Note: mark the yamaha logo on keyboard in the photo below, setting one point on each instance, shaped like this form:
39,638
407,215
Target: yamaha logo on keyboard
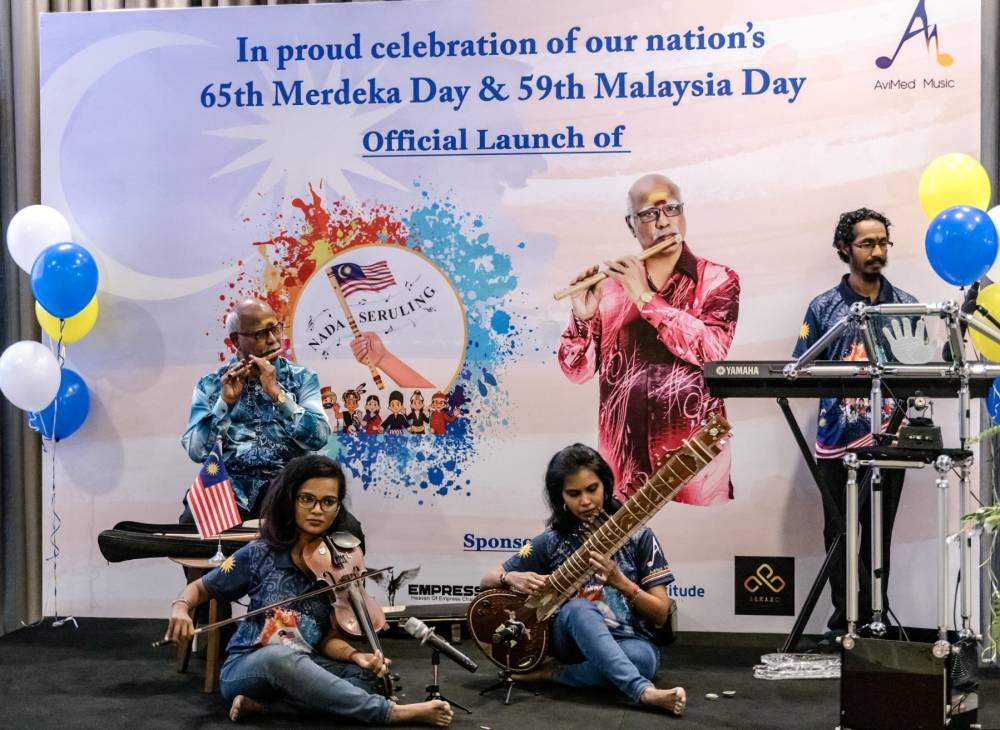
737,370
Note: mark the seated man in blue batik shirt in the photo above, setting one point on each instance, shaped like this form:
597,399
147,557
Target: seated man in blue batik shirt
265,409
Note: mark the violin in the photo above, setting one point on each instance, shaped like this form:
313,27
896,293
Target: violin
337,561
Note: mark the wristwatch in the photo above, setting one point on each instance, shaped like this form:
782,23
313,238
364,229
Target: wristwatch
645,298
281,398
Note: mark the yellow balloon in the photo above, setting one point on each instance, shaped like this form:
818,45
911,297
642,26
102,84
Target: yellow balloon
953,179
989,298
75,327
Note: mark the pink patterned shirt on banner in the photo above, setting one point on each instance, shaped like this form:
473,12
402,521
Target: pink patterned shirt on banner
650,361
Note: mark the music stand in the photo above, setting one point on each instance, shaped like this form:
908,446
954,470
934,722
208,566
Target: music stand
434,689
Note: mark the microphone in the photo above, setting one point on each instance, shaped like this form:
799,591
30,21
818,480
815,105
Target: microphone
419,630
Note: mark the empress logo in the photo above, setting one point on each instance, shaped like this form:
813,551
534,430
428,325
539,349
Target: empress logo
918,26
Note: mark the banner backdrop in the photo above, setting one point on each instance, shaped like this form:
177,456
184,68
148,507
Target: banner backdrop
453,164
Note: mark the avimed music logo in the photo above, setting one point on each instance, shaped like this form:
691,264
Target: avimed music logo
918,26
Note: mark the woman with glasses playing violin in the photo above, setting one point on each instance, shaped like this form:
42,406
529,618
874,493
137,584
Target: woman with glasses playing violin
264,409
294,653
603,637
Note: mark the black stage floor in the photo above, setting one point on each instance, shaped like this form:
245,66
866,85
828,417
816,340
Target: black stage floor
106,674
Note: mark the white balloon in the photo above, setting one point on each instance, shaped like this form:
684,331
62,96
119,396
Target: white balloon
29,375
32,230
994,272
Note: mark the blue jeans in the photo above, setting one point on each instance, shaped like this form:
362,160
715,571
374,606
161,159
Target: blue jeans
309,680
579,633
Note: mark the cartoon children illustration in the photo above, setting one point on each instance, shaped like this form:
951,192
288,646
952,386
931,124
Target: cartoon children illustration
329,398
440,416
396,423
351,412
417,417
372,418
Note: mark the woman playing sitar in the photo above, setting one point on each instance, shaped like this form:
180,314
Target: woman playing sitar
603,636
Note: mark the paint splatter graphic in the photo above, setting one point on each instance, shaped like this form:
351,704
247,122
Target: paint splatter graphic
457,242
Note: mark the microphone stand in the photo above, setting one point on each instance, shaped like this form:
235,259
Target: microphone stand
505,677
434,690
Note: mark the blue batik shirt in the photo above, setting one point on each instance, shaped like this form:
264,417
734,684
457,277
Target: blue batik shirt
640,559
268,576
844,423
258,436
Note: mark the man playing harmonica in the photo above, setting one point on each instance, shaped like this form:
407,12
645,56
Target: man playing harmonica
648,330
265,409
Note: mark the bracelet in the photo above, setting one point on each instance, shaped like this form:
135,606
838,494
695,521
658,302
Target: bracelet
633,593
185,601
503,580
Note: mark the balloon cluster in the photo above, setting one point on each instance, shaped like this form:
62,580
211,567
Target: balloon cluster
64,282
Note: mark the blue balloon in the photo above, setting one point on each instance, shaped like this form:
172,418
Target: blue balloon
993,401
961,244
73,401
64,279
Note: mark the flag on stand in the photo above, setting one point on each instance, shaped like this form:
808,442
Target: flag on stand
355,277
211,497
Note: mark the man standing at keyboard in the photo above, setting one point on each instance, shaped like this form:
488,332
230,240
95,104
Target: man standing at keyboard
861,240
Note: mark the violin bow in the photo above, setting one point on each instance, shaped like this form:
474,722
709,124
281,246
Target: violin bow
262,609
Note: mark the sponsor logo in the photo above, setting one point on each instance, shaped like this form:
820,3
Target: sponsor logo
471,542
692,591
435,591
765,586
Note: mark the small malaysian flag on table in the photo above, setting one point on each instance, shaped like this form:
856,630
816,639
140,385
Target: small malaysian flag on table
211,497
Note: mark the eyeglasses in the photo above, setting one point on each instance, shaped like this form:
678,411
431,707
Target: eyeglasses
869,244
652,215
276,329
308,501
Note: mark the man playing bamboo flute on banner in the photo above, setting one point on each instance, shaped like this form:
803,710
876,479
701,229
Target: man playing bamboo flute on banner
265,409
647,331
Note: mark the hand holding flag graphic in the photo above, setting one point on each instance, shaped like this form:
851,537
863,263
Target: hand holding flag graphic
347,278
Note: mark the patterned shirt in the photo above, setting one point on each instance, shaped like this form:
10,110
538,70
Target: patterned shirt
650,362
258,436
641,560
267,576
844,423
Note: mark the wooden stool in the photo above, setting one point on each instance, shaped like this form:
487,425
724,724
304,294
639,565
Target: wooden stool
199,567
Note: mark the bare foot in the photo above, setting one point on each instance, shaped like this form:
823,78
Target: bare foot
671,700
244,707
541,673
436,713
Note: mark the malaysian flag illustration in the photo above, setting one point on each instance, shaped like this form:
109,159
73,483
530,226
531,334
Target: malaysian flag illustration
356,277
211,497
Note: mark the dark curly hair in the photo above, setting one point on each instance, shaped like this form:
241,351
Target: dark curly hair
844,233
277,512
565,464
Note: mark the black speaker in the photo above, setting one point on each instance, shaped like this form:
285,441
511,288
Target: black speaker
901,684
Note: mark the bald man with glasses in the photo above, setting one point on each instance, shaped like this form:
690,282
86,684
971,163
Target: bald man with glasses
861,240
646,331
265,409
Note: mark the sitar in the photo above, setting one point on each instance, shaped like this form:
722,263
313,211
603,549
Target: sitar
513,629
